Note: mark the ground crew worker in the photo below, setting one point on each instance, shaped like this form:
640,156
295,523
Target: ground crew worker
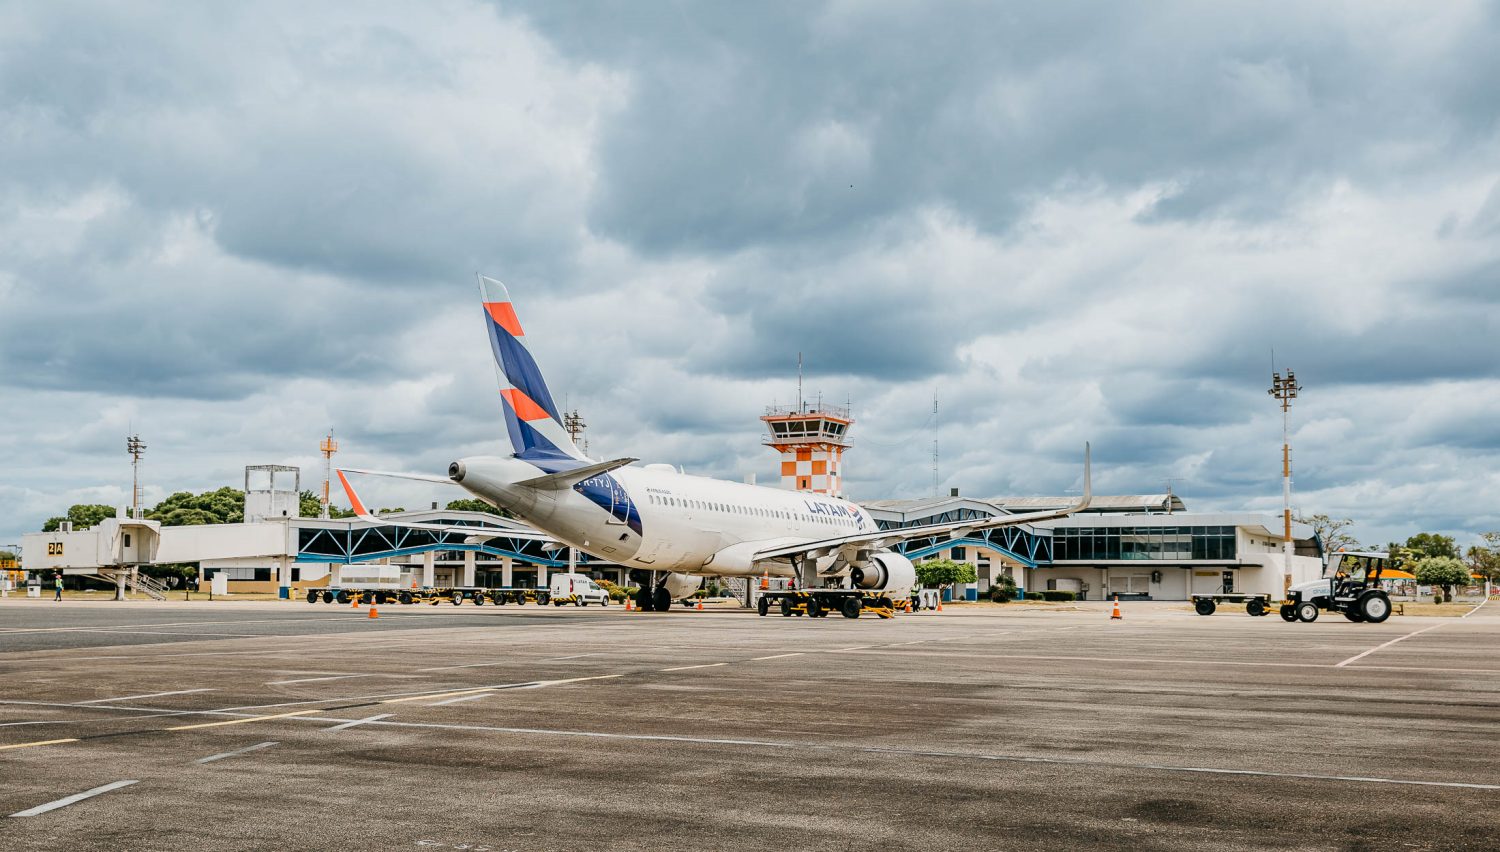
57,584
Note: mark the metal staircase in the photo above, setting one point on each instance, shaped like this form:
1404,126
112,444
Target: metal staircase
139,583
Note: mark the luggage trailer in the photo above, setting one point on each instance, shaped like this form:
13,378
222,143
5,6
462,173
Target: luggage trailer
817,603
434,596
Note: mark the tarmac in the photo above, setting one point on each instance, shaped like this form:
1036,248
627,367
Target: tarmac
282,725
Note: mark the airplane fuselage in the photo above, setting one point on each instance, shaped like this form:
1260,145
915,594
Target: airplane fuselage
658,519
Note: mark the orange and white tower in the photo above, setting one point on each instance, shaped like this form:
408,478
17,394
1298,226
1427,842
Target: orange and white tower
811,440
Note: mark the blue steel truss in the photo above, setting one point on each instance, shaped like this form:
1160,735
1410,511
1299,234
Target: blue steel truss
1019,543
364,544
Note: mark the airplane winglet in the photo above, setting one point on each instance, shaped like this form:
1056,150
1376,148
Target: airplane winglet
354,502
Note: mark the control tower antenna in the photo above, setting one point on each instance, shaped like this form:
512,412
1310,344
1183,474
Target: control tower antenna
799,382
1285,389
327,447
136,448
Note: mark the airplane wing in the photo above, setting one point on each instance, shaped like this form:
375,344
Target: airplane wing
500,527
881,539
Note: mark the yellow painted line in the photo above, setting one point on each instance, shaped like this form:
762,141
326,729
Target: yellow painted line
244,721
685,668
437,695
38,743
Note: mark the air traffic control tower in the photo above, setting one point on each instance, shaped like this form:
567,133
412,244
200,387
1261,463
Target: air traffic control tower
811,440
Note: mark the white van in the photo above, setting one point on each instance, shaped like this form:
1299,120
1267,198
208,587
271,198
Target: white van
578,590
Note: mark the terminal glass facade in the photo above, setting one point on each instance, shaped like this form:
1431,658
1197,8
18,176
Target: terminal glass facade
1147,543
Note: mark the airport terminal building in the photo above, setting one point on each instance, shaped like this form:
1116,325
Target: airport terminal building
1142,547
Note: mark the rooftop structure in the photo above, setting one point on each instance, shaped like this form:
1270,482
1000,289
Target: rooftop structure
811,439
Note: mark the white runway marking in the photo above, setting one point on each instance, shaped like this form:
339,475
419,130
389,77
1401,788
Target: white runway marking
476,697
236,753
73,799
775,657
315,679
574,657
685,668
145,695
357,722
1475,609
959,755
1386,645
465,666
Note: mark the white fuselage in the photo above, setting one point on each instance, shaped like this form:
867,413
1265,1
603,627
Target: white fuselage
658,519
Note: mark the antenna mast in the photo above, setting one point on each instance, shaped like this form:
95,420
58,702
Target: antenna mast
573,422
936,481
328,447
1285,390
136,449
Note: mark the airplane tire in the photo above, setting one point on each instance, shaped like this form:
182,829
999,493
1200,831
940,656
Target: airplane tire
762,607
1307,612
662,598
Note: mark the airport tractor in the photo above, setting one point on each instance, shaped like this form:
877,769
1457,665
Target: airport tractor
1350,585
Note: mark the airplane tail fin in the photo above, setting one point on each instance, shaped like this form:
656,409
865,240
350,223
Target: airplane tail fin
532,418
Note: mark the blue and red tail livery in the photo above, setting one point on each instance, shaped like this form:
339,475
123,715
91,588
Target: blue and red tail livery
531,416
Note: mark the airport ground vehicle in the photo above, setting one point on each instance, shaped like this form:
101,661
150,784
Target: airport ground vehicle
1350,585
1206,604
816,603
577,589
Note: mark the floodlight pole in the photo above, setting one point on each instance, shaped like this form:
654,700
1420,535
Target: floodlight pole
1285,389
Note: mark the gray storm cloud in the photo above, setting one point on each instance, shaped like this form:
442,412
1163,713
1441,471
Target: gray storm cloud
231,229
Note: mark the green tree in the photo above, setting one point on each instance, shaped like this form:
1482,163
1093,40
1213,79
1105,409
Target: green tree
310,505
1333,532
184,508
83,516
936,573
1003,589
1484,559
1443,571
472,505
1432,544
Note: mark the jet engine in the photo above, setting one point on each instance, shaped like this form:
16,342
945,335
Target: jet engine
891,573
680,586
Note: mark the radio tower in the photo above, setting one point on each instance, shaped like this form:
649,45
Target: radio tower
136,449
573,422
1285,390
328,447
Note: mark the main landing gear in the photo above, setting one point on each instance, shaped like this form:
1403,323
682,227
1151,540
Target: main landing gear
653,596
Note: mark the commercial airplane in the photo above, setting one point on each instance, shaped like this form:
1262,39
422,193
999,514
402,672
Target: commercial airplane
671,528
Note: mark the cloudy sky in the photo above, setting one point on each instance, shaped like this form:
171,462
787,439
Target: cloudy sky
231,227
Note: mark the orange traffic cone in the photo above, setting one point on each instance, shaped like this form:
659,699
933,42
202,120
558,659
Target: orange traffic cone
765,581
1116,614
940,603
629,603
700,603
373,614
354,602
